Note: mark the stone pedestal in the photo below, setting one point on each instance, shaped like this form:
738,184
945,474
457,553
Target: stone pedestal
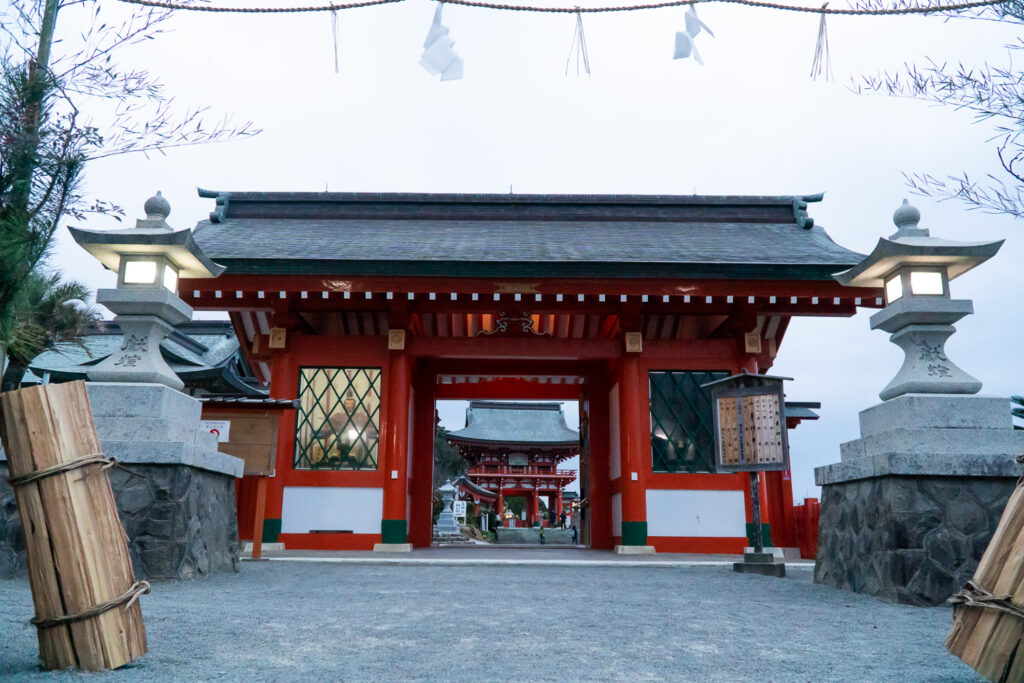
760,563
175,492
908,511
145,317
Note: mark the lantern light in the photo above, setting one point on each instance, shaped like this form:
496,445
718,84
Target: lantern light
893,289
170,277
139,272
925,282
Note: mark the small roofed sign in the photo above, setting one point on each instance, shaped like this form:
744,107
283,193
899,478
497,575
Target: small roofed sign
459,508
253,439
220,428
749,423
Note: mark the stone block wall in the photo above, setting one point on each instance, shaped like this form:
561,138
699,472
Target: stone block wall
181,521
12,540
908,539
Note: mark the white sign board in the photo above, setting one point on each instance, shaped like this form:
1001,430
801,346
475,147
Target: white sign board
222,428
459,508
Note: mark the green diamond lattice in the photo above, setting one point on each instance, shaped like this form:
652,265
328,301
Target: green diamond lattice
349,440
682,424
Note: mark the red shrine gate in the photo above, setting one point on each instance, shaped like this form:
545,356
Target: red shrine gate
514,449
369,308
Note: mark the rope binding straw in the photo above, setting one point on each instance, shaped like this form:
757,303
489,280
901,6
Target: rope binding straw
973,595
127,598
60,468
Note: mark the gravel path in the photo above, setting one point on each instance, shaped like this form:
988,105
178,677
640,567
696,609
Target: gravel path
291,621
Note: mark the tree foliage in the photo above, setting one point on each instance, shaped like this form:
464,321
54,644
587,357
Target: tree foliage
993,94
47,312
448,462
61,108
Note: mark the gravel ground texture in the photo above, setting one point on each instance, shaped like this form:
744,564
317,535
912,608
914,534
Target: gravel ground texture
287,621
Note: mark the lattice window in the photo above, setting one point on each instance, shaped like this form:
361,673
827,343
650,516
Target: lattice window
682,424
337,427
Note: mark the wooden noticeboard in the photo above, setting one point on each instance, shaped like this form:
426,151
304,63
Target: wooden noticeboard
252,437
750,432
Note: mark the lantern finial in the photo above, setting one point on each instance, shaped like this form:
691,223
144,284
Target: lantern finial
157,208
906,218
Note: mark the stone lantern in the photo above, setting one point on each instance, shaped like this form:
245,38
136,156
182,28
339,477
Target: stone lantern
911,506
915,269
446,522
142,417
148,259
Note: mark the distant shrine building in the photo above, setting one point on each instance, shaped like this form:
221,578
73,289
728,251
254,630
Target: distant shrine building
514,449
369,308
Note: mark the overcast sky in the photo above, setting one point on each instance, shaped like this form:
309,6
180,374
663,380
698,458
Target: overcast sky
749,122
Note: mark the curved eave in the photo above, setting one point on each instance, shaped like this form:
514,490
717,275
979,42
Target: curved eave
532,269
514,444
956,257
179,246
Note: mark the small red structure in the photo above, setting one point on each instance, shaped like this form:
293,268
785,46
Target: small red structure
807,518
514,450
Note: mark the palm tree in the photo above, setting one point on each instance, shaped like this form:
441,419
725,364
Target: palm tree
47,312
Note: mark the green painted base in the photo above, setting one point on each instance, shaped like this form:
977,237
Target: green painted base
766,534
392,531
271,530
634,533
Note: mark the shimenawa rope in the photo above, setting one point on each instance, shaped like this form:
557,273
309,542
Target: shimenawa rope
586,10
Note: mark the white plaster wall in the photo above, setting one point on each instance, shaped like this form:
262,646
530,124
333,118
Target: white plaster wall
696,513
614,442
617,514
308,508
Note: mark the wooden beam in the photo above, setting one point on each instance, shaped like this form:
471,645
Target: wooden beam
257,526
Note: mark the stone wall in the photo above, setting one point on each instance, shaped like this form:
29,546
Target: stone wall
909,539
12,540
181,521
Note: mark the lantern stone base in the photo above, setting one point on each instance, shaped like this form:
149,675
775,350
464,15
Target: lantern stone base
908,512
762,563
392,547
175,492
635,550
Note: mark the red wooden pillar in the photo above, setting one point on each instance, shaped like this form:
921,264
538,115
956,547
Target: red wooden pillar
599,512
257,527
558,507
501,504
284,383
534,513
393,527
634,420
422,475
780,505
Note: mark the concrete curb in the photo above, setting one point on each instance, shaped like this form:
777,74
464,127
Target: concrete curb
463,562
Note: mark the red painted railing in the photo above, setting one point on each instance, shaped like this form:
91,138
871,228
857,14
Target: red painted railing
806,517
531,470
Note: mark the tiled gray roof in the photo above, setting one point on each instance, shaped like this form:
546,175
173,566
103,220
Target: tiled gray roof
498,422
510,235
210,359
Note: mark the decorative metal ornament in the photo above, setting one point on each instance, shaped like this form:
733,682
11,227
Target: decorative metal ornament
438,56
